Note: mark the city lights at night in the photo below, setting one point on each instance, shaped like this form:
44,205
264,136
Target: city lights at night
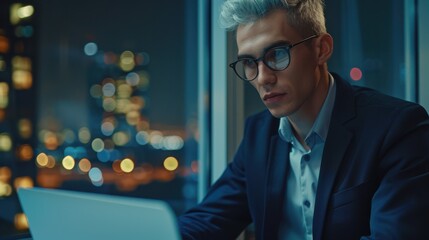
78,112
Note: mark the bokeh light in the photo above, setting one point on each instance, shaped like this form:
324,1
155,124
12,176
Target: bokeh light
172,143
107,128
24,31
25,152
22,79
109,104
116,166
133,118
171,163
19,12
121,138
84,135
25,128
50,139
23,182
97,145
5,174
90,49
96,176
95,91
123,105
21,221
126,61
142,137
144,80
124,91
127,165
132,79
356,74
155,139
68,162
5,189
84,165
5,142
4,95
108,90
4,46
42,160
51,162
25,11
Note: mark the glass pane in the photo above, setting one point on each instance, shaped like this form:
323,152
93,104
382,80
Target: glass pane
369,47
115,90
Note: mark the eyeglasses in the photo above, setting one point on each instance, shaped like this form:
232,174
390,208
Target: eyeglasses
276,59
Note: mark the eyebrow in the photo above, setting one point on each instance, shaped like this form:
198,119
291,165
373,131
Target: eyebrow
272,45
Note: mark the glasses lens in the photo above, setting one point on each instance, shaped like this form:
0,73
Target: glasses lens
277,58
246,68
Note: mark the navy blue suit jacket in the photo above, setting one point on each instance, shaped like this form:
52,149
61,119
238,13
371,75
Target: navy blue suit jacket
373,182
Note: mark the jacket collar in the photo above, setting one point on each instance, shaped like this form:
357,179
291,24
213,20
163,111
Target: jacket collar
336,144
337,140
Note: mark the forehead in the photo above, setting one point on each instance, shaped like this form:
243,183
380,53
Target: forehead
253,37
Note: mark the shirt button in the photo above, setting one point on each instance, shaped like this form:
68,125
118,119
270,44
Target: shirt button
306,157
307,203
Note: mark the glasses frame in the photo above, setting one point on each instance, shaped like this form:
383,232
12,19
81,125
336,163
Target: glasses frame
288,47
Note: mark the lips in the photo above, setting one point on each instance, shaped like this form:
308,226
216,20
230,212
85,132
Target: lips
273,97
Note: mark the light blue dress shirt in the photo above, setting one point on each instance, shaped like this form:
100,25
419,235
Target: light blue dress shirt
303,174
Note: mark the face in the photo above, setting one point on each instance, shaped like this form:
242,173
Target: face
295,90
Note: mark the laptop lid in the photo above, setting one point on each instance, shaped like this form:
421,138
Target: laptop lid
60,214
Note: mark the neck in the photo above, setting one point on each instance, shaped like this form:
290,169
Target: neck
303,120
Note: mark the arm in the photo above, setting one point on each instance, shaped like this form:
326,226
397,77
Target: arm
223,213
400,205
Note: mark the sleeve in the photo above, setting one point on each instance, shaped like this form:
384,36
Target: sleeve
223,213
400,205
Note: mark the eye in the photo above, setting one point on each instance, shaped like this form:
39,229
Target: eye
248,63
276,54
277,58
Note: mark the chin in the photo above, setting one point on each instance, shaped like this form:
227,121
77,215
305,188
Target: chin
277,114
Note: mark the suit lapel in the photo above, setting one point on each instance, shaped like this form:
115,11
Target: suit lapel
336,145
334,151
275,186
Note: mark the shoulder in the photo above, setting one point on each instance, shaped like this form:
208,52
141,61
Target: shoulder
380,105
367,102
370,114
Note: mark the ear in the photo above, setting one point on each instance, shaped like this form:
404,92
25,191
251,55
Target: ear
325,46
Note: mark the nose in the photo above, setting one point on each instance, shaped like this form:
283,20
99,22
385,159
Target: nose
266,76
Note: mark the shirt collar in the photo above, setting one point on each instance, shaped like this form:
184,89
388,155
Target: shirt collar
320,125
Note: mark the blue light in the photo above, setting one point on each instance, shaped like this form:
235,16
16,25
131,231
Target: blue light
90,49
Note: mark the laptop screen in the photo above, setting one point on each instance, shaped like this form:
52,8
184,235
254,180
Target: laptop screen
61,214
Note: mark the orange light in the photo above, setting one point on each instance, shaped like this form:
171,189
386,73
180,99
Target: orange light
84,165
42,160
23,182
25,152
21,222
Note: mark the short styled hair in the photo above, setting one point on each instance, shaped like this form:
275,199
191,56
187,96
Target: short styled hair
306,16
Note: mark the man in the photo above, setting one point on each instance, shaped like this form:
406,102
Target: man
327,160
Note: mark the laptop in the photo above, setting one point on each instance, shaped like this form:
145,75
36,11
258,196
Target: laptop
61,214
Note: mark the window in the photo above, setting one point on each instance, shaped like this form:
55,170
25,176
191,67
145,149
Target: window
113,104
